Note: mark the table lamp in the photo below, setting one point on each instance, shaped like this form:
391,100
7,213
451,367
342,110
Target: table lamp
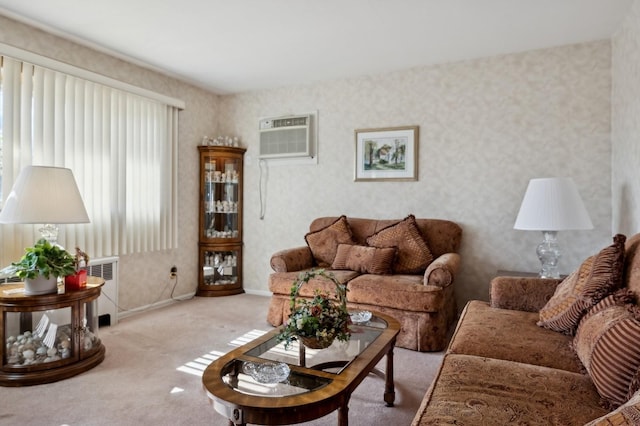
44,195
551,205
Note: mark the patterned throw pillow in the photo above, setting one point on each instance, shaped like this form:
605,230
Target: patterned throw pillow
413,253
626,415
606,343
368,260
597,277
324,242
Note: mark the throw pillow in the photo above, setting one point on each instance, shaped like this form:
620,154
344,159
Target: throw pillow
598,276
413,253
606,343
626,415
367,260
324,242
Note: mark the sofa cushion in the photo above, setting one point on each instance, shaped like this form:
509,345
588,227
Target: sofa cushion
472,390
598,276
369,260
324,242
406,292
512,336
607,344
627,414
413,253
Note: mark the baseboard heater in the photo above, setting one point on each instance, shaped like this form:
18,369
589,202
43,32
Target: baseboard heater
107,269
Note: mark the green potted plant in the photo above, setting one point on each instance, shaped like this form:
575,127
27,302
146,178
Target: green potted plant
41,266
317,322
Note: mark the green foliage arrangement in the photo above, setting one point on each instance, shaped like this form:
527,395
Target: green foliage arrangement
44,259
317,322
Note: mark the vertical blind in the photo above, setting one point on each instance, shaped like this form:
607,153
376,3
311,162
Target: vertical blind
121,147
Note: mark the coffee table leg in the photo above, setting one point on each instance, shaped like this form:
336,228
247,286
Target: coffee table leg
343,414
389,386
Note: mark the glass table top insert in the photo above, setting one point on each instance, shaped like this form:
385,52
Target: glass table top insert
329,361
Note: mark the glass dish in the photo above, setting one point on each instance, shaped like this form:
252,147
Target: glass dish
266,372
360,317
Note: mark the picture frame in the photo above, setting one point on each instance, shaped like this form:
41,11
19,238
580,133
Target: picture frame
387,154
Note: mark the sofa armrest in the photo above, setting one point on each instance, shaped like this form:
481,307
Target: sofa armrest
442,271
291,260
522,293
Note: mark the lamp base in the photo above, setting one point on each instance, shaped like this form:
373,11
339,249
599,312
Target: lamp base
549,253
49,232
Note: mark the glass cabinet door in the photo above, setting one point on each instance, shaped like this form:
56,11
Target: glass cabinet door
220,267
36,339
89,340
221,197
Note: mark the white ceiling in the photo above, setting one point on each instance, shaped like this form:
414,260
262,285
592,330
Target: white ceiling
230,46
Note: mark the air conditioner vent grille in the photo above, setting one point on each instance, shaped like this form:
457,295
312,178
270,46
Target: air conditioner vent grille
286,137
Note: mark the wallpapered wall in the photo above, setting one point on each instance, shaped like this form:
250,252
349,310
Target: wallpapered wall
626,124
486,127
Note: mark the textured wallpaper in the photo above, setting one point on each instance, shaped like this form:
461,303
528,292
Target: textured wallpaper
626,124
487,126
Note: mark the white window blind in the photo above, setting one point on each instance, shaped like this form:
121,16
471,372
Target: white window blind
121,147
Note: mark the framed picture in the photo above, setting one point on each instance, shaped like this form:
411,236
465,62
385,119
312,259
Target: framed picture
388,154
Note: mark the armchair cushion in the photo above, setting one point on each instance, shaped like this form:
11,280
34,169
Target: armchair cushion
324,242
598,276
413,253
368,260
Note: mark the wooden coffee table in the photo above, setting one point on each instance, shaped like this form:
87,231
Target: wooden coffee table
320,381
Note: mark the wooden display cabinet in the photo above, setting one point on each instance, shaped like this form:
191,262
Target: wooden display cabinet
220,223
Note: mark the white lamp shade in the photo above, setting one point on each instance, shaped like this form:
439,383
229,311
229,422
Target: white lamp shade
552,204
47,195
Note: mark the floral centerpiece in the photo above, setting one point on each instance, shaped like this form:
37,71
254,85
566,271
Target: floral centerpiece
319,321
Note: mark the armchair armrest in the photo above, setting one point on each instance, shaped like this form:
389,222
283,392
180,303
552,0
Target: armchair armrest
442,271
522,293
293,259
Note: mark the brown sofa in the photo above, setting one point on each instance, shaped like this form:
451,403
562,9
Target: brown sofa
502,367
423,301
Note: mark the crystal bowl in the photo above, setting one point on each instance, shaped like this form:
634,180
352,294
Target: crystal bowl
266,372
360,317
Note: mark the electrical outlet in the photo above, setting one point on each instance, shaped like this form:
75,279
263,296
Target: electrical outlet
173,273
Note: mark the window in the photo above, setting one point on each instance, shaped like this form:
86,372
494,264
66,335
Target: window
121,147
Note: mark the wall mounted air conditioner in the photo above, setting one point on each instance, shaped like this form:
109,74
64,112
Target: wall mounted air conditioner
287,137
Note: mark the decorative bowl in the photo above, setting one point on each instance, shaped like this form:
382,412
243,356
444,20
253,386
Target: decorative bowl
266,372
360,317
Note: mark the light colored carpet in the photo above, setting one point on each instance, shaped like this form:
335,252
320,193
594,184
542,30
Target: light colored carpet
149,375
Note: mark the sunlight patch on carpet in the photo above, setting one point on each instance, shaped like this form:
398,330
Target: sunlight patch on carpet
198,365
247,337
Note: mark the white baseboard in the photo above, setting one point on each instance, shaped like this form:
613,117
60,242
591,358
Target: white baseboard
264,293
156,305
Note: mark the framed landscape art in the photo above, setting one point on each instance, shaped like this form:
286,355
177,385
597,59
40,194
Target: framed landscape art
387,154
